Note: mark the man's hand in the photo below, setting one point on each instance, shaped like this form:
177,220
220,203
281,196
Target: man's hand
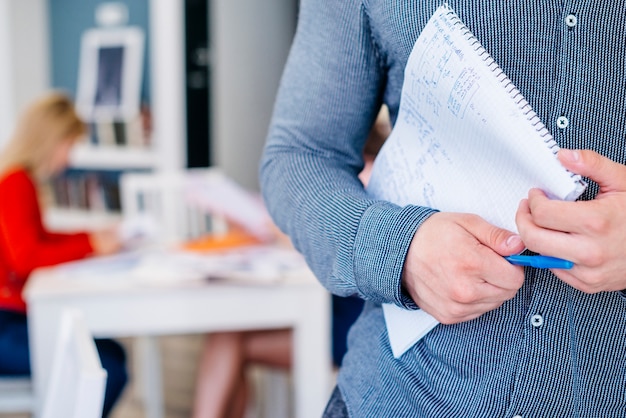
592,234
454,269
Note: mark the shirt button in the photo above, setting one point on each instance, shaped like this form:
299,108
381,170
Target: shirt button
536,321
570,20
517,416
562,122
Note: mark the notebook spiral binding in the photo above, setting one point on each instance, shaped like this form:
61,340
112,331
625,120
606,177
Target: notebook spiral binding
513,91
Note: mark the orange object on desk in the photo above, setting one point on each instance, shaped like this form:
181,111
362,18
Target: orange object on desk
214,242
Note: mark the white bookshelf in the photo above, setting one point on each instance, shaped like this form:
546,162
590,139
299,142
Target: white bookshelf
68,220
103,157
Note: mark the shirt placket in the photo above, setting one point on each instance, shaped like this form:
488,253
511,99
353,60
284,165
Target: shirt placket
566,115
544,353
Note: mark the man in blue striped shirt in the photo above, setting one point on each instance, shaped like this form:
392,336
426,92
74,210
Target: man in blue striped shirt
515,342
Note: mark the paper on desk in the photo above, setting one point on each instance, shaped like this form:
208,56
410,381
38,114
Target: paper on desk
155,266
465,140
261,264
107,267
254,264
222,196
139,231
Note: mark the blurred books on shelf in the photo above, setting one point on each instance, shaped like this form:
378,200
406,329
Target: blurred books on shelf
89,190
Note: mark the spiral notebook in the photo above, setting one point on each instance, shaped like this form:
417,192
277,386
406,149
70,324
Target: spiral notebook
465,140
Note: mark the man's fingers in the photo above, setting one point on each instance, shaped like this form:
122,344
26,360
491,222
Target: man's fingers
493,243
497,239
455,312
545,238
611,176
558,215
462,309
488,263
455,268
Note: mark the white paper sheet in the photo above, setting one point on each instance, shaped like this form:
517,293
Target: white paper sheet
222,196
250,264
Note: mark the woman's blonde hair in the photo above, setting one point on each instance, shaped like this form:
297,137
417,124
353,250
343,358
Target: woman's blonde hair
44,125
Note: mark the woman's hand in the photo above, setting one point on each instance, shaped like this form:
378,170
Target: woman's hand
106,241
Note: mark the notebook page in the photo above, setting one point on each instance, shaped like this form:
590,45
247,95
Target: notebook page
465,139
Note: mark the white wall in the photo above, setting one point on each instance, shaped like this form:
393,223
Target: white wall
31,68
24,69
250,42
6,72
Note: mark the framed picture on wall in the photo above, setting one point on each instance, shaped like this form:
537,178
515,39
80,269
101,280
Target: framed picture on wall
109,78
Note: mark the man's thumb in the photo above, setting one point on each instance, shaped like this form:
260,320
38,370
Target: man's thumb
609,175
500,240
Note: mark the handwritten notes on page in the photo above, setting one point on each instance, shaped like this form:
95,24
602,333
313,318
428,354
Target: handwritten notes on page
465,140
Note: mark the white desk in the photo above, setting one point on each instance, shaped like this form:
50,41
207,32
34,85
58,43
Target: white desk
121,308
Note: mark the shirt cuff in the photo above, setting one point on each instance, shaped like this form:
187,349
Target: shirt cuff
380,248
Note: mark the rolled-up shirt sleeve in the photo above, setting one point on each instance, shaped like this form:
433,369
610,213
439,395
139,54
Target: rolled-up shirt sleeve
328,99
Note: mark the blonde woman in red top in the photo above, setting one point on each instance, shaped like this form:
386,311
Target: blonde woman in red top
38,150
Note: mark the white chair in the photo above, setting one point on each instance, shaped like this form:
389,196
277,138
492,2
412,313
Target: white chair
162,199
77,382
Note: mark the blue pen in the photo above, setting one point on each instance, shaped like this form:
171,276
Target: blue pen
540,261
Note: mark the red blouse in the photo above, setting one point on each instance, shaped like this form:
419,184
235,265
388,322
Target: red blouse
24,242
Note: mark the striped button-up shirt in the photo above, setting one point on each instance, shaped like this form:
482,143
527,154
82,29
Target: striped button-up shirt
551,351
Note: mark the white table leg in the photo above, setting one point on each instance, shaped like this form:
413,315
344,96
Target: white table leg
312,363
151,381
